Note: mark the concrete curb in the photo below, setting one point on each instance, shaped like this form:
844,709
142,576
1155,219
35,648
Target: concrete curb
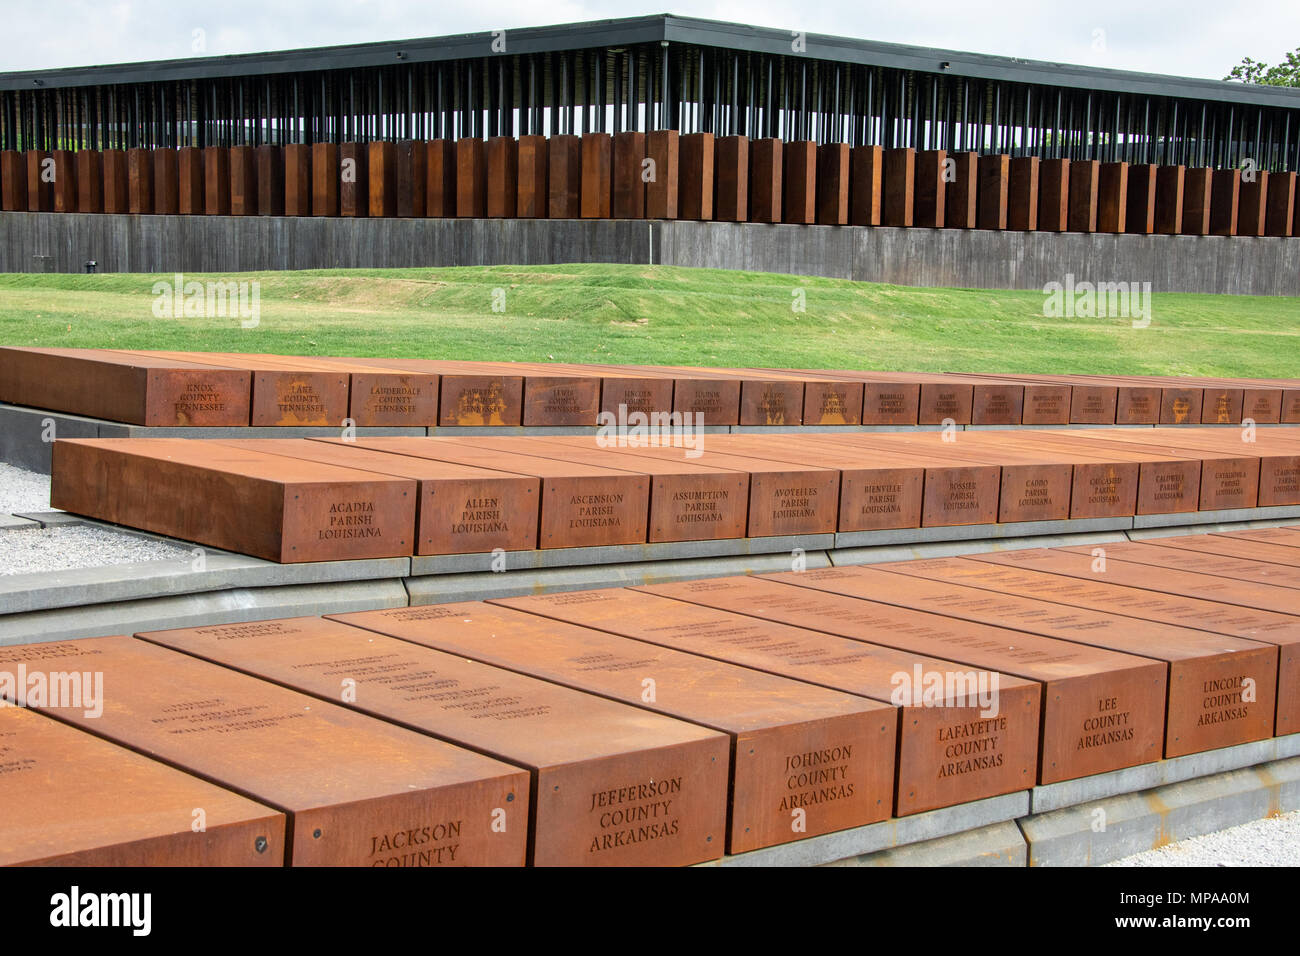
1001,844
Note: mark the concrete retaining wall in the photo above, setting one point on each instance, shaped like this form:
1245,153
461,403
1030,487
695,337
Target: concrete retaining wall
62,242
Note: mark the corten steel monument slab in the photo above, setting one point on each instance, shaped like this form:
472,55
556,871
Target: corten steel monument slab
268,506
71,799
378,394
582,505
270,164
459,509
381,168
502,177
898,187
90,180
1234,546
139,176
40,186
1080,685
1225,198
13,181
297,179
1112,196
558,399
929,190
960,203
731,179
635,393
688,501
1209,563
1252,204
951,747
797,749
771,402
564,160
876,491
1279,217
1054,195
327,179
597,175
358,791
661,192
799,193
866,170
216,180
284,392
191,188
1170,193
533,195
139,390
243,181
695,196
828,400
1136,710
471,178
1142,605
1084,185
766,179
1197,201
412,179
1022,194
1140,209
994,183
440,181
581,751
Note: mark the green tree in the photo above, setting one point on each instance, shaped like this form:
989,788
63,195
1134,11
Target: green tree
1286,73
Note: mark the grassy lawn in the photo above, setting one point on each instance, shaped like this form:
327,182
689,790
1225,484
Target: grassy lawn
661,315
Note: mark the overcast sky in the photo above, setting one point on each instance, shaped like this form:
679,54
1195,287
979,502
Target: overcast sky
1182,37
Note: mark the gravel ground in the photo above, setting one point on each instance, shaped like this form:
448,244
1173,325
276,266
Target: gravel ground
22,490
1273,841
61,549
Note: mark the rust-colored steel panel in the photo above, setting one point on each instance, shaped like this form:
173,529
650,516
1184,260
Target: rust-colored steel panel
565,171
533,195
1279,217
413,180
898,186
243,181
71,799
635,394
795,746
929,190
481,399
216,180
890,403
715,400
113,170
799,192
1206,562
393,398
13,181
866,168
766,179
269,163
1054,195
941,401
731,178
502,177
1225,198
1170,193
1140,208
263,505
328,185
139,175
1093,404
997,404
560,399
40,190
298,179
358,791
695,196
64,184
832,403
90,180
1045,405
994,184
953,747
663,148
1252,204
1144,405
1131,712
582,505
765,402
1084,186
471,178
191,170
1197,201
137,389
962,191
1235,546
1222,406
1112,196
1260,405
597,175
440,184
688,501
459,509
1022,194
1265,627
381,169
1080,685
581,751
1178,406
